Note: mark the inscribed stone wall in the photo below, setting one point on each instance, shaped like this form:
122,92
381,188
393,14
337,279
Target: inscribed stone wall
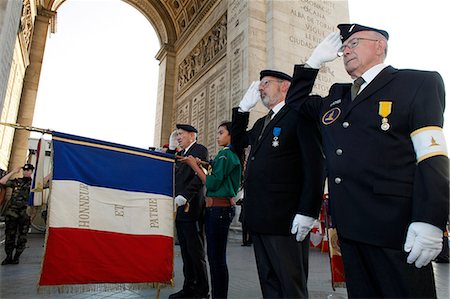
215,69
206,107
300,26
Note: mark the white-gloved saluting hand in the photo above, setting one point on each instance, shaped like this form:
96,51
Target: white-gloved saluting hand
173,143
251,97
180,200
325,51
423,242
301,225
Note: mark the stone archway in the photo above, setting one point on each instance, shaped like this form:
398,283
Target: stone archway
170,19
210,51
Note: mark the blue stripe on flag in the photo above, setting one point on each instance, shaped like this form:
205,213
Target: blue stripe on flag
104,164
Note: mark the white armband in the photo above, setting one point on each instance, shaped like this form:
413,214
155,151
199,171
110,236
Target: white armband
428,142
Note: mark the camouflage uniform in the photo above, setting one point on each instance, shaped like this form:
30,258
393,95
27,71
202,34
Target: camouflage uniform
16,217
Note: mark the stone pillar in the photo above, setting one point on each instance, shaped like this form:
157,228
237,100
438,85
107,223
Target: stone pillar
9,23
164,105
30,87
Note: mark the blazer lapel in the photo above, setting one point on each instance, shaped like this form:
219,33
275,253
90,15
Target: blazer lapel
383,78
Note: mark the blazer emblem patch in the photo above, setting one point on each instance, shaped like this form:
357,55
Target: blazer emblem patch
330,116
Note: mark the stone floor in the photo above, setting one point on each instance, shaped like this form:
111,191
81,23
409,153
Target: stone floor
20,281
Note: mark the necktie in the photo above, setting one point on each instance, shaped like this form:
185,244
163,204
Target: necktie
266,122
356,86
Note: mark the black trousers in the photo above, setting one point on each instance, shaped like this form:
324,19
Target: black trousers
378,272
282,264
191,239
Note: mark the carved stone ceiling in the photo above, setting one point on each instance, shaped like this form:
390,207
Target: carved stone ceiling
183,12
171,18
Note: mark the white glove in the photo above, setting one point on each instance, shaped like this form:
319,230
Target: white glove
326,51
301,225
251,97
173,143
180,200
423,242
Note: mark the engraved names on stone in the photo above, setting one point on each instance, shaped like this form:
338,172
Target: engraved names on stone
236,70
198,114
317,19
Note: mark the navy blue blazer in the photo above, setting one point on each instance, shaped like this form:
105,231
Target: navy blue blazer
376,186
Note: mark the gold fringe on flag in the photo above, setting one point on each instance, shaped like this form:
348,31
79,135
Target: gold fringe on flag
102,287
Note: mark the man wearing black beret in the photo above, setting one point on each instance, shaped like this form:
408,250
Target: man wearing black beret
274,199
387,164
189,220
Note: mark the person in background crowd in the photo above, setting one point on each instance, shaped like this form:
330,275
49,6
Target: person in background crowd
222,185
387,163
189,220
16,218
273,196
246,236
443,256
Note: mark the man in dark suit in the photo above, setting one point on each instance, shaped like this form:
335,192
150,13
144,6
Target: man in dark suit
387,164
189,222
273,194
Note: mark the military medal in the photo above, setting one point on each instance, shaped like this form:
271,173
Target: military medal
384,111
276,133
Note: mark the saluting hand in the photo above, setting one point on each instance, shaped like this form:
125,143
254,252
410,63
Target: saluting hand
17,169
326,51
251,97
173,143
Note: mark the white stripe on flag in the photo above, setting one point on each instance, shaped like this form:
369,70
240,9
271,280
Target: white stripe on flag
77,205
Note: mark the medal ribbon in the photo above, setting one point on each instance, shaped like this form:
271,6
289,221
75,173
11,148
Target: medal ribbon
385,109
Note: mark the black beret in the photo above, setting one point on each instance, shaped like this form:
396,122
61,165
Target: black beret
275,74
28,167
187,127
348,29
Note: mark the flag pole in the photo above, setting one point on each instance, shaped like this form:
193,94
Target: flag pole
28,128
158,291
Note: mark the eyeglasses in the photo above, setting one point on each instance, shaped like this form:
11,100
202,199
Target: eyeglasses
264,83
353,44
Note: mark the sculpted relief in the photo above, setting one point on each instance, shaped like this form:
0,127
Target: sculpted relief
209,46
26,24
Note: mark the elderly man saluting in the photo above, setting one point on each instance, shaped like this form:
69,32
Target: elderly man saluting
274,198
387,164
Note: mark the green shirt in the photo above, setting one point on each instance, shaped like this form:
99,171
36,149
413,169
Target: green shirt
225,178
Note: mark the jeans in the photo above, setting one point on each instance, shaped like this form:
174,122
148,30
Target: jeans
217,224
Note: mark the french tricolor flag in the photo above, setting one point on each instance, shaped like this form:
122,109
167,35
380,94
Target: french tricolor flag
110,214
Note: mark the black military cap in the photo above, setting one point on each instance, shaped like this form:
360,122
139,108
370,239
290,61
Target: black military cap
28,167
275,74
348,29
187,127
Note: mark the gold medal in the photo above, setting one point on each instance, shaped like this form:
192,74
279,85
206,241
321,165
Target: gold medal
384,110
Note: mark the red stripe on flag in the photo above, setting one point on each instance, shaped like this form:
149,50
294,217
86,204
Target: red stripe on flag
81,256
